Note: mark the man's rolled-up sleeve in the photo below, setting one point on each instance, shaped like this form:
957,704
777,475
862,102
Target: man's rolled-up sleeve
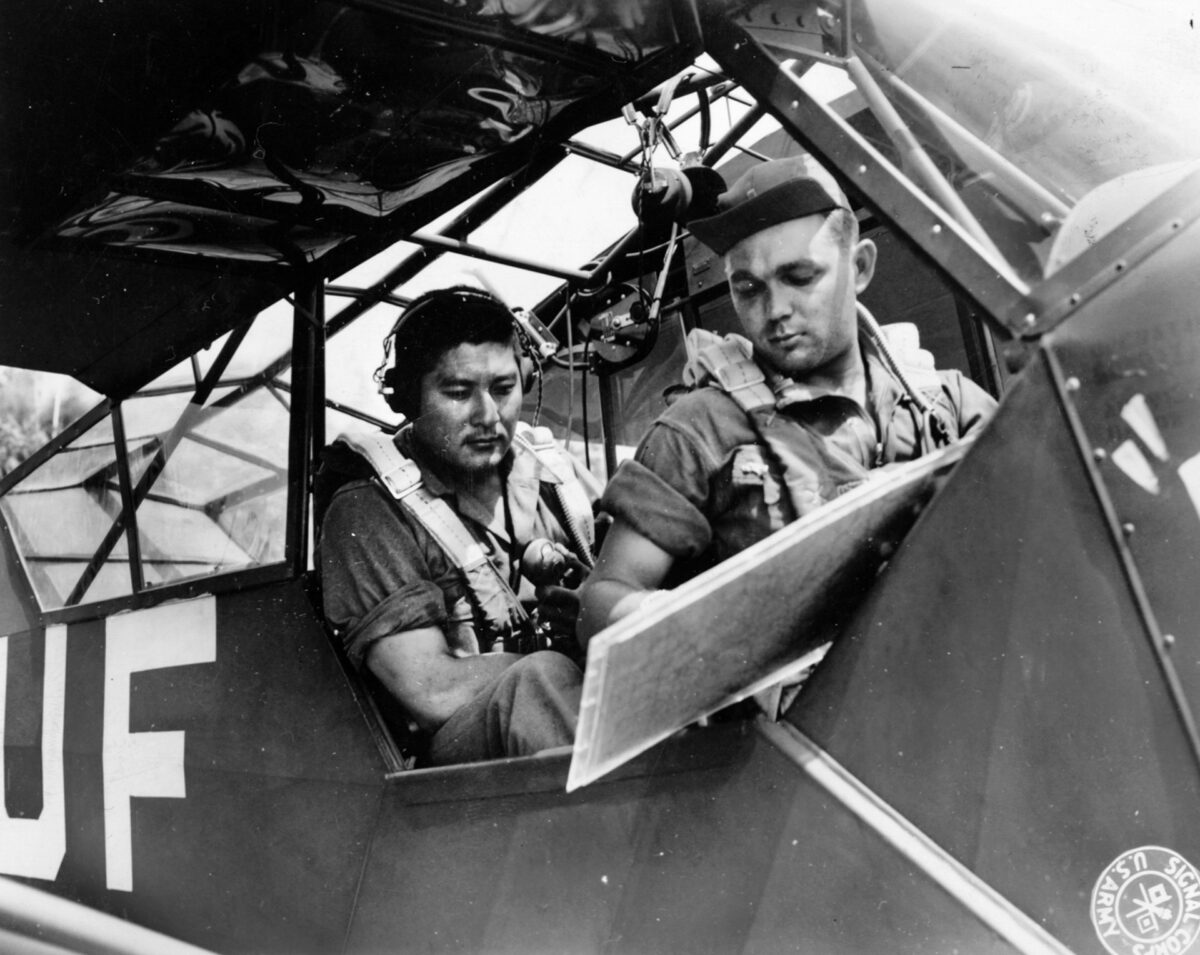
375,579
413,606
661,491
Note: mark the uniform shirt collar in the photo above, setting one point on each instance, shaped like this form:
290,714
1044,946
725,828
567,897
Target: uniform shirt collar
521,484
882,389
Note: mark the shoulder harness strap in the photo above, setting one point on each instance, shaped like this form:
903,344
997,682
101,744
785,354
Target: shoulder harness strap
726,362
569,491
900,348
401,478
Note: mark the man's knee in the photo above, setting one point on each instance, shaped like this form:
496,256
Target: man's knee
544,682
545,671
538,702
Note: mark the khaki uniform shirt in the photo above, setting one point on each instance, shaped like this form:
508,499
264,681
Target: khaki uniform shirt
703,486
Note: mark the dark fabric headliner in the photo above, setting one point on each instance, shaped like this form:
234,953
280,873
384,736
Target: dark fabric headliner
168,168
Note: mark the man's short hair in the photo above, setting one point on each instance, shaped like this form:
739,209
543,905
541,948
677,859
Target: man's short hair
845,227
770,193
433,324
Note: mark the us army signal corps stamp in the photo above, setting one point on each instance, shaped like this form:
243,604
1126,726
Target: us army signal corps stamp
1147,902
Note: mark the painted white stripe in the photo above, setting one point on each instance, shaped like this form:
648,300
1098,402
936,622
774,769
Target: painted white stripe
149,763
959,882
1138,416
1189,474
35,848
1129,458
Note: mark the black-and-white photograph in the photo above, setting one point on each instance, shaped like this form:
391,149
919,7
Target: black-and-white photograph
600,477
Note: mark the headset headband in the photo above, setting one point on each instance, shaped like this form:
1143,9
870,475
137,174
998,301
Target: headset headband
454,299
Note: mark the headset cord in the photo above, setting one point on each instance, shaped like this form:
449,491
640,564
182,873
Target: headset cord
529,348
933,425
514,567
574,531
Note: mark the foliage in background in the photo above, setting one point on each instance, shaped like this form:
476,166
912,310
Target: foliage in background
35,406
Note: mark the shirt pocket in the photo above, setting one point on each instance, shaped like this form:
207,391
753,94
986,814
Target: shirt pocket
750,470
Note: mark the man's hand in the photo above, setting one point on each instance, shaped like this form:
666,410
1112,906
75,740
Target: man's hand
629,571
545,562
558,607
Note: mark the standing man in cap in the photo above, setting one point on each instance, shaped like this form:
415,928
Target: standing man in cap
795,413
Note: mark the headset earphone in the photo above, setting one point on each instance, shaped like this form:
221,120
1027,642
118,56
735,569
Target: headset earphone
402,390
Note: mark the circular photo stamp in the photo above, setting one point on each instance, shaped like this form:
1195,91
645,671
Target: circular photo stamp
1147,902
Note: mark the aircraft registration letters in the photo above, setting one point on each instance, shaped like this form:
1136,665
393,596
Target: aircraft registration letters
144,764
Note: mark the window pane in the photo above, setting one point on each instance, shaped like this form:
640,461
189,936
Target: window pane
111,580
34,406
209,485
351,357
256,525
63,517
218,502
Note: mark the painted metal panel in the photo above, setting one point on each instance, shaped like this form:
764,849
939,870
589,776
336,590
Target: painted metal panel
1135,352
715,842
1000,689
222,781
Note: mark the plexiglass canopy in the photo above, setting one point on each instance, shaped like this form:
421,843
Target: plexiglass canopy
1035,129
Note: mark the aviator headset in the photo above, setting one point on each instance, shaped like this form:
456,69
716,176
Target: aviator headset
435,321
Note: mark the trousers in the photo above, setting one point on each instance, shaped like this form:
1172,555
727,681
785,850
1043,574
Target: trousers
533,705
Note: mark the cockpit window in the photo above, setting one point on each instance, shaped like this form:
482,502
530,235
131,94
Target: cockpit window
1011,115
200,489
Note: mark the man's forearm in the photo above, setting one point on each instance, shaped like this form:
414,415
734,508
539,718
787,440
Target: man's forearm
604,602
628,571
427,678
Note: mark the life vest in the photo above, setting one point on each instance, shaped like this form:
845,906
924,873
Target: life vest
497,609
727,363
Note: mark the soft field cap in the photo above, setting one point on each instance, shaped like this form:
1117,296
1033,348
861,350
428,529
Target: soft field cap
772,192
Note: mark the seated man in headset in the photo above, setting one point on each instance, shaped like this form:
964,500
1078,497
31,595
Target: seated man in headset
798,411
431,542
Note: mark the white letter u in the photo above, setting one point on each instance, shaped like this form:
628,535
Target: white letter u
35,847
